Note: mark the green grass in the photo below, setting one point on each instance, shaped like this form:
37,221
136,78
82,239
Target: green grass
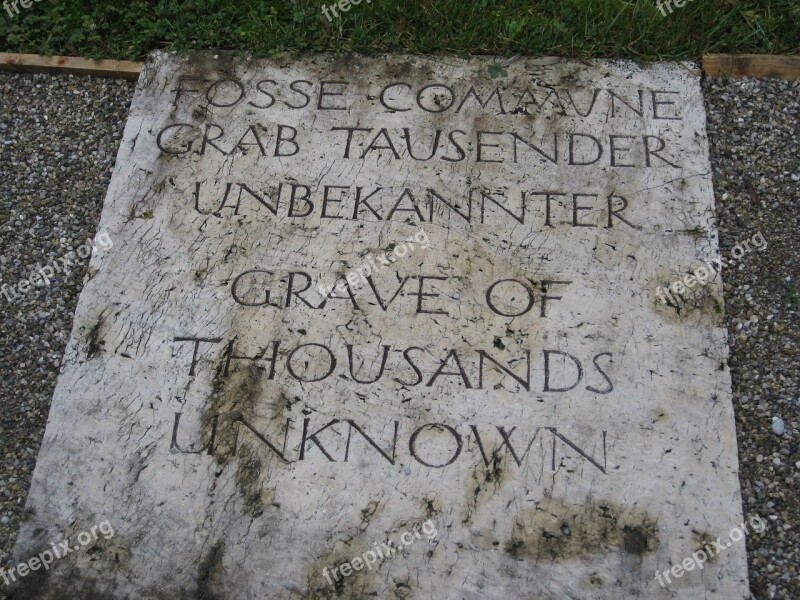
129,29
791,296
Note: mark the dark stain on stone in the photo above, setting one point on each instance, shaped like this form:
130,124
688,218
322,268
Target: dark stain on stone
430,508
250,481
634,540
702,540
94,344
402,589
699,300
369,511
201,112
401,69
337,590
554,531
43,585
595,579
359,585
209,571
484,480
494,473
231,399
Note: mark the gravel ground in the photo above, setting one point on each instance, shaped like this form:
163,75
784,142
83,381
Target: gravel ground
754,129
58,140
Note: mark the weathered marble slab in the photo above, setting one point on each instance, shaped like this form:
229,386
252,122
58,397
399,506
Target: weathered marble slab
510,378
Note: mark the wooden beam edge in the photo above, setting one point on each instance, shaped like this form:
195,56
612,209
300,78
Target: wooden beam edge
751,65
713,65
36,63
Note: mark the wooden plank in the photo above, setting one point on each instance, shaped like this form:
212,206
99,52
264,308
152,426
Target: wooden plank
36,63
714,65
751,65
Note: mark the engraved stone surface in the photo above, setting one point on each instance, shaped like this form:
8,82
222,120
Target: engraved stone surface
415,315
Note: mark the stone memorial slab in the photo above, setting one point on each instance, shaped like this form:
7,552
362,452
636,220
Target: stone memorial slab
398,327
